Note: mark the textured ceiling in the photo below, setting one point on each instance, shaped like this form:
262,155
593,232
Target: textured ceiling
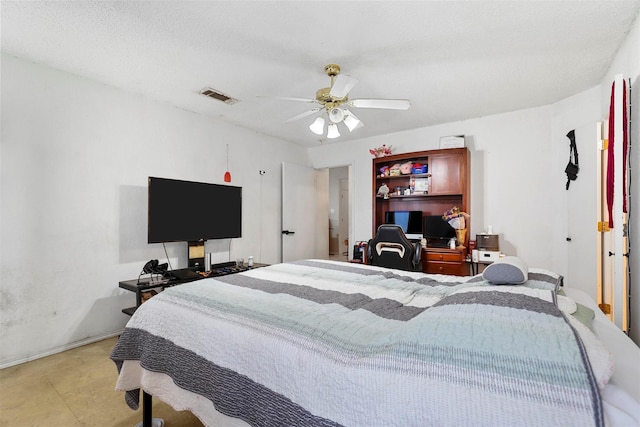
454,60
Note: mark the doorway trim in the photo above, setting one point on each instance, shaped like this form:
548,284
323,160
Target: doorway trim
349,216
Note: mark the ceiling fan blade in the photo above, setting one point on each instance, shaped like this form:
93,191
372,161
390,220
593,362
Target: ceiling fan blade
289,98
389,104
342,86
303,115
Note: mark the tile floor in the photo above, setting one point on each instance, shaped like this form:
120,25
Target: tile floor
74,388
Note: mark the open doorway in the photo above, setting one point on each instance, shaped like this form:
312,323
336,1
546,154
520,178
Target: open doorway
339,213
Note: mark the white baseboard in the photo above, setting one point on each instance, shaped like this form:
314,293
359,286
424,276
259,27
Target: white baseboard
60,349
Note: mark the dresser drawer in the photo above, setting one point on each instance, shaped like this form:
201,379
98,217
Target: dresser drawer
450,268
442,257
444,261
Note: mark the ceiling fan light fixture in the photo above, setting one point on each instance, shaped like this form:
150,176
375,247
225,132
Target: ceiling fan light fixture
332,131
351,121
317,126
336,115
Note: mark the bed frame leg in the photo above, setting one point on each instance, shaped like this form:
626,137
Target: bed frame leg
147,420
147,409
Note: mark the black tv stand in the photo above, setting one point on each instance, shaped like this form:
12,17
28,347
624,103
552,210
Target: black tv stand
139,286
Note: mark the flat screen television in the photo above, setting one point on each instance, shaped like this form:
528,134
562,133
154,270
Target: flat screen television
410,221
186,211
437,231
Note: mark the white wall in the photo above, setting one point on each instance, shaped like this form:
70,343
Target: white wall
75,157
517,174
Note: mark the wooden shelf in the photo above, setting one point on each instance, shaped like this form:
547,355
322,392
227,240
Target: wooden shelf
414,196
420,175
448,186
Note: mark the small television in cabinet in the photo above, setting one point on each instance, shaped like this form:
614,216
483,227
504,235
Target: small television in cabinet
187,211
437,231
410,221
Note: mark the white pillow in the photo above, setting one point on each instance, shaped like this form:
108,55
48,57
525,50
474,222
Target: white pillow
566,304
509,270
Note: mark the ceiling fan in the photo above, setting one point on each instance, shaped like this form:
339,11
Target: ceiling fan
334,103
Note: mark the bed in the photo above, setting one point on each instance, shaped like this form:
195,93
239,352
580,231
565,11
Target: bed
324,343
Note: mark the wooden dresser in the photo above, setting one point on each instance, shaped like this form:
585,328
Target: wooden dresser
445,261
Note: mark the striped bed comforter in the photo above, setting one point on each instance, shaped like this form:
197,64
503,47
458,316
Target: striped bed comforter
321,343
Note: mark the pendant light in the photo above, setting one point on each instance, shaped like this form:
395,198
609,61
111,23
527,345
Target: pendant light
227,174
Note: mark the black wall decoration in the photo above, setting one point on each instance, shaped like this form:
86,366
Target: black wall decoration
572,167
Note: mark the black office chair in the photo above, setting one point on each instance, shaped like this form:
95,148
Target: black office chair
390,248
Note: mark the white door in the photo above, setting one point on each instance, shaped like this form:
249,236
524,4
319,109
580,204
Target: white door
300,216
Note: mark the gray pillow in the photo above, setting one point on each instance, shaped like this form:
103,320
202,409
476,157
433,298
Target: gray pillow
509,270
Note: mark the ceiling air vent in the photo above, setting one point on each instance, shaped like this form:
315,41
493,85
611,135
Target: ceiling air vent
212,93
